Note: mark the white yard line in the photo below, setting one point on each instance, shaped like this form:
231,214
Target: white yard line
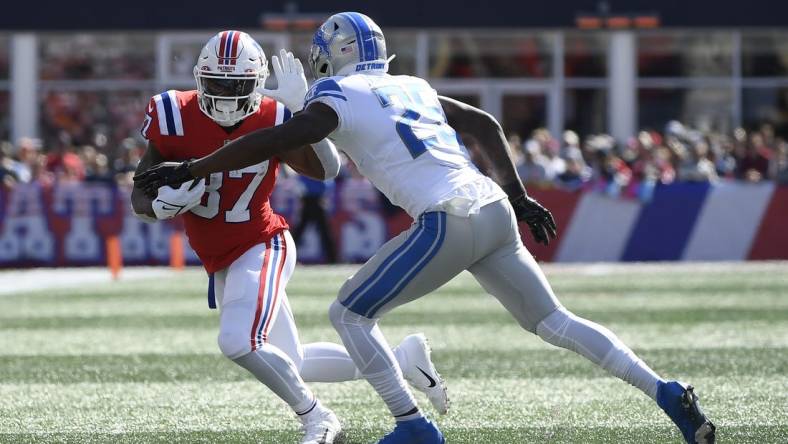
22,280
610,268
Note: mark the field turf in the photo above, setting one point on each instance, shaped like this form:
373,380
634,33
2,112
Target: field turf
137,360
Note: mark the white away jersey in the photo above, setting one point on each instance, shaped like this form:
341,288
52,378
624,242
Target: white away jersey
395,131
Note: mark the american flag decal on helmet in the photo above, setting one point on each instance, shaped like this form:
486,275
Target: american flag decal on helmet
227,52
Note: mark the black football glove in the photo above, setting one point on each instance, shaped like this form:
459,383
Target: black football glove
538,218
165,173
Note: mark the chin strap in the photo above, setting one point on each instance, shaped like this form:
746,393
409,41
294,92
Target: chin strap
214,110
227,124
224,114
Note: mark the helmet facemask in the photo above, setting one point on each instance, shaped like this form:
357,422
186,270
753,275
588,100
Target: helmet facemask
319,56
228,98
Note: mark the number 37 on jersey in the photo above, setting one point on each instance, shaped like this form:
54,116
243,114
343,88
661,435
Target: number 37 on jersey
212,200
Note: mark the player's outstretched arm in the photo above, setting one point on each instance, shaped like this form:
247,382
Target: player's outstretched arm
484,128
141,203
308,127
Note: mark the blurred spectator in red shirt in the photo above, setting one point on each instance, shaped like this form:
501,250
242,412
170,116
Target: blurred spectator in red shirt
64,162
753,164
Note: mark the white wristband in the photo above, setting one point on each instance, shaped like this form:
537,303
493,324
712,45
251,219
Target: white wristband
329,157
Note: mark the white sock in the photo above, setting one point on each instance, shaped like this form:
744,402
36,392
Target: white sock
375,360
276,370
599,345
329,362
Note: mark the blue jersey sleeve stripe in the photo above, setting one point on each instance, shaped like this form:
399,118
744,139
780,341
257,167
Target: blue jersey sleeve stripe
161,116
326,94
165,99
176,112
324,88
325,85
288,114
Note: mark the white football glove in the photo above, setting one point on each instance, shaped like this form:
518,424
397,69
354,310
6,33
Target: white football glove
171,202
291,81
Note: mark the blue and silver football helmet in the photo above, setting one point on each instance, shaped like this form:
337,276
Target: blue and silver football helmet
344,41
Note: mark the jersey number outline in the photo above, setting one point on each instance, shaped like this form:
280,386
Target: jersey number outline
240,210
423,124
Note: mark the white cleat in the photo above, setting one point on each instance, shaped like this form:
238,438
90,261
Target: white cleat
320,426
421,372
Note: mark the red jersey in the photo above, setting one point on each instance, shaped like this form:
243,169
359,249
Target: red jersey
234,213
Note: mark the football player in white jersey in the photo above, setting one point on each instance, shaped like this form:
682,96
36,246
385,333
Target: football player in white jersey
401,135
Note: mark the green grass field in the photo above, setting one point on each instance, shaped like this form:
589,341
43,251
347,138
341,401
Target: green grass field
137,361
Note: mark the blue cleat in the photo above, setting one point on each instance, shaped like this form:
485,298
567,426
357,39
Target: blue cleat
415,431
679,401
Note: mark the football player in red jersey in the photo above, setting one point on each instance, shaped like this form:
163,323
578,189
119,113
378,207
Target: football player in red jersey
246,247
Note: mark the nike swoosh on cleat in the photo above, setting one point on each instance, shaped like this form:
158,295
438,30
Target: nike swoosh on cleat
432,381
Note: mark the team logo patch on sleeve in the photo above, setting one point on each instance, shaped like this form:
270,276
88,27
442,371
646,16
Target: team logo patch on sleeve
169,113
325,88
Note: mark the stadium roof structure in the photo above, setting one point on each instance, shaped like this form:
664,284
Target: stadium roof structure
203,14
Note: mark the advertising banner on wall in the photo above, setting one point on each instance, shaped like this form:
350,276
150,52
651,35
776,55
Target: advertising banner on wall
68,224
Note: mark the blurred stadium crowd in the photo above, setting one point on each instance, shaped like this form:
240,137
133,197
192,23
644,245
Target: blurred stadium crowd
80,149
94,87
89,133
678,153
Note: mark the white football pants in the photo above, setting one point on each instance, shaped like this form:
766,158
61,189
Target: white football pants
437,247
257,329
